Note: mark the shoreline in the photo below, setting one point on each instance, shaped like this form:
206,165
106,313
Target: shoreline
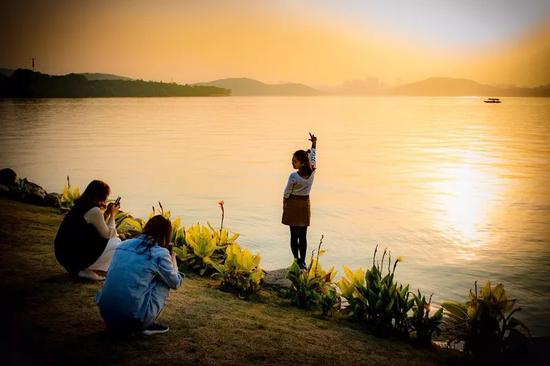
31,196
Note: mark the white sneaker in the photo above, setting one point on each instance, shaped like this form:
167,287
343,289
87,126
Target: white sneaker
90,275
155,328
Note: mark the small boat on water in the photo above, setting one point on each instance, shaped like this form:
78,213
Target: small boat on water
492,100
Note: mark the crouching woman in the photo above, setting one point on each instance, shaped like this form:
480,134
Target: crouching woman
87,238
142,272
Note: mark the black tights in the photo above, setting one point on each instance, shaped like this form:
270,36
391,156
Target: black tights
298,242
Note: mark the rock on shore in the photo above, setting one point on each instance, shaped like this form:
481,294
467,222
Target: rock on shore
277,278
24,190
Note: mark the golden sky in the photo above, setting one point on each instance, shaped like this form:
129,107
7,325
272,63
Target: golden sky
315,42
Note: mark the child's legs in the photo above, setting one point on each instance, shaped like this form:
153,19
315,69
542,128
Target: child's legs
294,241
302,242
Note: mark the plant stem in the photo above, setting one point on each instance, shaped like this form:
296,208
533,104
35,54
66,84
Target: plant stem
318,251
221,228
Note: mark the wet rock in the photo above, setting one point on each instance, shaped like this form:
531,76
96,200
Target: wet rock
7,176
277,278
31,192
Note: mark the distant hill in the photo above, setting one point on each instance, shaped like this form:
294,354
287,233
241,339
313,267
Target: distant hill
87,75
100,76
29,84
246,86
441,86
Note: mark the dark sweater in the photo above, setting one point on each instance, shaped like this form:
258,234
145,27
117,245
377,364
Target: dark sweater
78,244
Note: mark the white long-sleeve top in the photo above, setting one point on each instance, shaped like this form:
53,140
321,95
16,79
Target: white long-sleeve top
95,217
299,186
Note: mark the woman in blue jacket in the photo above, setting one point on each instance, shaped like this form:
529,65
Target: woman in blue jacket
142,272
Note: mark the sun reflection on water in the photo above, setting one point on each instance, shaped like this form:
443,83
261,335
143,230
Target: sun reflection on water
464,199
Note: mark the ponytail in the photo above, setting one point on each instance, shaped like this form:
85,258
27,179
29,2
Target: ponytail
303,157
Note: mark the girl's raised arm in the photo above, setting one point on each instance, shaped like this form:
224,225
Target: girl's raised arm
312,153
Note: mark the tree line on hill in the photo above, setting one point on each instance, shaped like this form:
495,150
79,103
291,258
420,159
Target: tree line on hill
29,84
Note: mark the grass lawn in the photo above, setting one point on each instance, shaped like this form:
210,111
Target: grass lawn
51,318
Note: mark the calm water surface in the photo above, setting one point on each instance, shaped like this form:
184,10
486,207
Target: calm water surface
459,188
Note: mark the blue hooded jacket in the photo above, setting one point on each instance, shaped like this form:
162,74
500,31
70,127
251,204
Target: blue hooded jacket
137,284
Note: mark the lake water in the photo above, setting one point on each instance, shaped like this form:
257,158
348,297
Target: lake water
459,188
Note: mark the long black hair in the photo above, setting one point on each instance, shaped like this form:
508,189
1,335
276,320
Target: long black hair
158,230
306,169
97,191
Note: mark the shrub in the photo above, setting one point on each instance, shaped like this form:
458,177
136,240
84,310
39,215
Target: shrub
201,247
348,288
330,301
69,195
485,322
375,298
401,307
380,295
128,226
424,325
313,286
240,271
200,251
223,236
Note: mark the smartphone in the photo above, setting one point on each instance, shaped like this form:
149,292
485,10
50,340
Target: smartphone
117,202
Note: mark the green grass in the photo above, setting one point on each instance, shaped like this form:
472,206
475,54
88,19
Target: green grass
51,318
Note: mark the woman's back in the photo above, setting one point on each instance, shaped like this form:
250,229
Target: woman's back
77,243
137,283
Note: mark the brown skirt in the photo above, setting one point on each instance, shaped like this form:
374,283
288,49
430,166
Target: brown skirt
296,211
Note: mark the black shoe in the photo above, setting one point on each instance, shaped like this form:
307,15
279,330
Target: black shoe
302,264
155,328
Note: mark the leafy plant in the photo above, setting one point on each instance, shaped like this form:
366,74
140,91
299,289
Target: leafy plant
313,286
240,271
348,288
128,226
330,301
380,295
200,249
401,307
421,322
224,237
376,298
178,233
485,322
69,195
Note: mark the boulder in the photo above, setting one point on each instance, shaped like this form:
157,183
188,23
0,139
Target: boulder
7,176
10,190
31,192
277,278
4,189
52,200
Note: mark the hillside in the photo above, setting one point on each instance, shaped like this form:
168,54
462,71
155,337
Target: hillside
101,76
441,86
88,75
29,84
246,86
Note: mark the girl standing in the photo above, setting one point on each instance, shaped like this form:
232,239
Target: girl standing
296,207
